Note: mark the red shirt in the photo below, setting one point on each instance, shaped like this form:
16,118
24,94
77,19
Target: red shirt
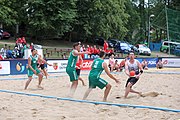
92,50
78,64
95,50
1,58
105,46
89,49
23,40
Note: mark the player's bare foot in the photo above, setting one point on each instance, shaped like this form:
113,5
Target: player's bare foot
104,100
140,94
40,87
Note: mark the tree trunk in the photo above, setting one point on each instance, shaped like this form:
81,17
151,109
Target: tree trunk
70,36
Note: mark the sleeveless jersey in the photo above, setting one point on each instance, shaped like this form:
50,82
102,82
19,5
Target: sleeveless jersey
72,60
133,66
79,62
34,60
97,68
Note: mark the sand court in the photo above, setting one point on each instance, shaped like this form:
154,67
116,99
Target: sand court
159,90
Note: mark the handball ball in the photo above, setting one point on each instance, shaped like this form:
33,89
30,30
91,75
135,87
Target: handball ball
132,73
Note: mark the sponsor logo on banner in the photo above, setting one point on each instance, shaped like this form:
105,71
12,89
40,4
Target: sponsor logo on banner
55,66
171,62
87,64
20,67
152,62
63,65
5,67
58,65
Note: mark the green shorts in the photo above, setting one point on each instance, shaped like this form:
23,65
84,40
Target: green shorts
72,74
30,72
93,82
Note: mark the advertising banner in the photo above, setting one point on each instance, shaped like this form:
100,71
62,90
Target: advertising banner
87,64
171,62
151,62
58,65
4,67
19,67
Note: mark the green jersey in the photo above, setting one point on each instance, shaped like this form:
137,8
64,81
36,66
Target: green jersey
34,60
97,68
72,60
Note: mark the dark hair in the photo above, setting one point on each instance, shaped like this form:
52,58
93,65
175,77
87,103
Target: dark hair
32,50
101,54
75,44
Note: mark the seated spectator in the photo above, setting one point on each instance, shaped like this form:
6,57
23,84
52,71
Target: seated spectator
116,66
144,64
9,54
122,64
159,64
3,51
111,62
16,53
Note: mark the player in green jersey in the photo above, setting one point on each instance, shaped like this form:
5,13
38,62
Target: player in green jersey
94,76
71,67
33,69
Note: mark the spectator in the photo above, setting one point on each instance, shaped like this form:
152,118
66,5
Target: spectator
111,62
16,53
116,66
4,51
89,50
9,54
31,46
23,49
18,41
159,64
122,64
144,64
23,40
105,46
64,56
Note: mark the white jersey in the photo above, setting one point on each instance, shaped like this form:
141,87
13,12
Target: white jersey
133,66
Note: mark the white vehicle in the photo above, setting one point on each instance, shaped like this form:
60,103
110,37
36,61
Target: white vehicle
143,49
37,46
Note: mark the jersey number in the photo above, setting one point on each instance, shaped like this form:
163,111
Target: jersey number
95,64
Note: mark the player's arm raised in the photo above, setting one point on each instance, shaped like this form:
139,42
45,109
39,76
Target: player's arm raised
108,72
76,53
41,59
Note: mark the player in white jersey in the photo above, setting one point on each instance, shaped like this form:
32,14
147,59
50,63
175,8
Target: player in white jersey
132,66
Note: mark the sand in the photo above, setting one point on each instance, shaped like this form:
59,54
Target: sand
159,90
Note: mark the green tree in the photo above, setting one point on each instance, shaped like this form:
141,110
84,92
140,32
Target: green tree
7,14
105,18
51,17
133,23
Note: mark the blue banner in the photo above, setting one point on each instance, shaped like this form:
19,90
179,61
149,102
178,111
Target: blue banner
151,62
18,67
